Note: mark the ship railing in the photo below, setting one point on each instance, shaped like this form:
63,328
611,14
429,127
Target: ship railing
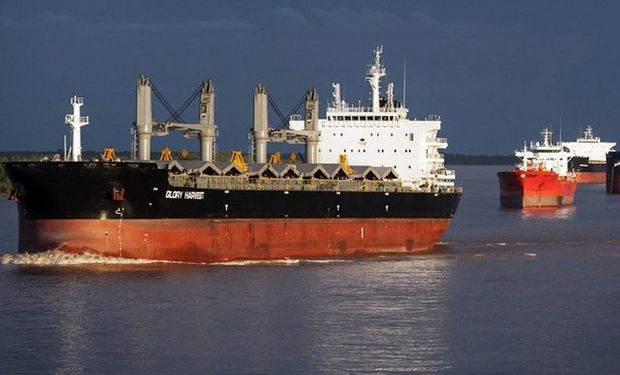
359,109
437,140
249,183
298,184
443,172
348,109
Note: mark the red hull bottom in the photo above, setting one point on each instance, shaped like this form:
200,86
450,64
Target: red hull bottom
536,200
521,189
590,177
209,241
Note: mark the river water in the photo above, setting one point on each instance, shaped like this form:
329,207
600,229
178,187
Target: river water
505,292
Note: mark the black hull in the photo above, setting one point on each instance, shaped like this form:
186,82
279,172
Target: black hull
583,164
86,190
138,210
612,174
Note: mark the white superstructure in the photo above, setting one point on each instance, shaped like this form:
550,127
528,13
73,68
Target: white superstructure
590,147
545,156
382,135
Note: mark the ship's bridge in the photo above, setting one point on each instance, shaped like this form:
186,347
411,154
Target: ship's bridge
382,135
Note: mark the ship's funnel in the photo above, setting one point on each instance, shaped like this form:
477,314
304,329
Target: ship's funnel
144,117
206,120
311,125
261,131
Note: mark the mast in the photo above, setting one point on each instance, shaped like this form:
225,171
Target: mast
390,97
546,133
206,119
336,95
373,76
405,83
144,117
76,121
311,125
261,124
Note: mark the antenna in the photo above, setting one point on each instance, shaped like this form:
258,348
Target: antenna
404,82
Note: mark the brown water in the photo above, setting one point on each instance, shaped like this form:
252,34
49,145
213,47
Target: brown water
513,292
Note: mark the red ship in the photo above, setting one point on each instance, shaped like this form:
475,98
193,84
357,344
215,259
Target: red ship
542,178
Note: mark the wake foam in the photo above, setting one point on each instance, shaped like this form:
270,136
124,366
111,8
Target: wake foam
279,262
59,258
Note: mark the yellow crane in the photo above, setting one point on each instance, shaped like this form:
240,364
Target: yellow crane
109,154
344,163
237,159
275,158
166,154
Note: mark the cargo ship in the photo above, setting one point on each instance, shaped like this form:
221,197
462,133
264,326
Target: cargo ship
588,157
372,182
541,179
612,175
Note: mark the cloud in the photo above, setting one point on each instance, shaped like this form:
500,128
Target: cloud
293,17
53,21
364,21
59,22
7,22
225,25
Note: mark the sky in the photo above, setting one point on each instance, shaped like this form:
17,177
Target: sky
497,72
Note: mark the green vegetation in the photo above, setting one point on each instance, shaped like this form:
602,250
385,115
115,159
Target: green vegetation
5,184
461,159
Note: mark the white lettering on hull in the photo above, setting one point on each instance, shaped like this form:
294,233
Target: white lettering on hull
190,195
